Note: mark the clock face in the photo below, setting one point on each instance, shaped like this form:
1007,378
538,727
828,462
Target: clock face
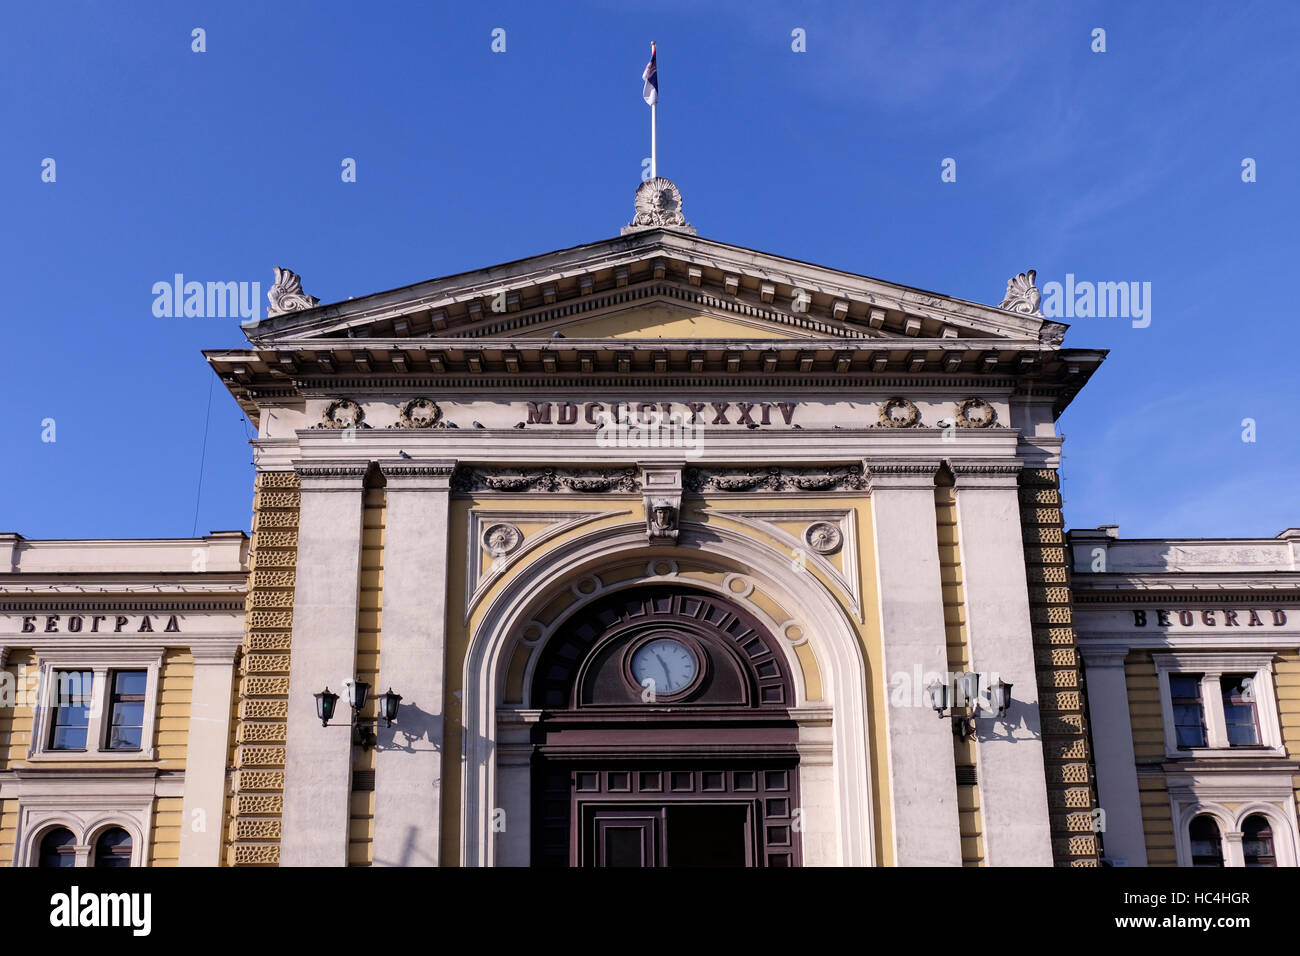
666,662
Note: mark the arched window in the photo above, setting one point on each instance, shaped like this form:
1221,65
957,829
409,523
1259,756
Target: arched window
1257,841
57,848
1207,847
113,848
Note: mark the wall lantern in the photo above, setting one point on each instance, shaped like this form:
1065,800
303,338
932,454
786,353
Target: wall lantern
388,704
961,700
358,692
326,701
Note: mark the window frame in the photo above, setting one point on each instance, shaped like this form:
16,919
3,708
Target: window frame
1212,667
1274,803
102,663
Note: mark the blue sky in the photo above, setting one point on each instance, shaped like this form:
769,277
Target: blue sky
1115,166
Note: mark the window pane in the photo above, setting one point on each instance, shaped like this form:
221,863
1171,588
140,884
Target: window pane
113,848
1189,713
130,713
70,697
1207,849
56,849
1239,709
1257,842
124,738
129,682
126,710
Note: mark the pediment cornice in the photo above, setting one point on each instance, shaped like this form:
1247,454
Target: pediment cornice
520,297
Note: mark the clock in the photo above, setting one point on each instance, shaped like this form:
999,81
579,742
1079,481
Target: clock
664,665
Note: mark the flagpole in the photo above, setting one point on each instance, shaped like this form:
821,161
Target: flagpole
654,148
654,130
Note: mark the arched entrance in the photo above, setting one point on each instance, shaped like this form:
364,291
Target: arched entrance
664,737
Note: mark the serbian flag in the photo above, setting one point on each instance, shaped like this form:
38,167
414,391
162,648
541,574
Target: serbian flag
650,92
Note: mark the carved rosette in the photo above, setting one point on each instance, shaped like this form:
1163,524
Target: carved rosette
551,480
342,413
1022,295
501,539
419,413
976,413
898,413
286,294
741,480
823,537
658,202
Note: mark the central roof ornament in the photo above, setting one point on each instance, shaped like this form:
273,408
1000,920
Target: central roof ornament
658,205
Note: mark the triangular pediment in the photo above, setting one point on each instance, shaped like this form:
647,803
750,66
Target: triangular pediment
651,285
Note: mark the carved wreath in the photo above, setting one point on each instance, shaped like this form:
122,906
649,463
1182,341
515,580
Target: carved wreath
899,413
823,537
976,413
419,413
342,413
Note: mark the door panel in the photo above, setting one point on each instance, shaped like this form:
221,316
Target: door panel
623,836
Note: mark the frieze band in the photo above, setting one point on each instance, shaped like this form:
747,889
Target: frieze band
835,478
554,480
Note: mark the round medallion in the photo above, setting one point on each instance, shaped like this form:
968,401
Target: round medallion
824,537
899,413
419,413
501,539
664,665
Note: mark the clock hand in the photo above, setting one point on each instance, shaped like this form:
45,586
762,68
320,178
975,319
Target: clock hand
668,679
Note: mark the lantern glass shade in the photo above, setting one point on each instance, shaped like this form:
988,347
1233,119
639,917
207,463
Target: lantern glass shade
388,704
358,691
326,701
969,686
1000,696
936,695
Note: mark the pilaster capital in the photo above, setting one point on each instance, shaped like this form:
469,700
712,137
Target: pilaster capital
331,475
890,474
975,473
417,474
1108,656
219,651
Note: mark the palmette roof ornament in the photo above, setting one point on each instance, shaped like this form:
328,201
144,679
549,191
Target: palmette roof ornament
286,294
658,205
1022,295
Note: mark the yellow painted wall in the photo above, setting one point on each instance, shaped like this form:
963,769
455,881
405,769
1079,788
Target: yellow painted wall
8,830
175,687
1287,673
165,845
1149,750
663,322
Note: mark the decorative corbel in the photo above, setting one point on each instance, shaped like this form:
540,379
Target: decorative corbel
662,496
